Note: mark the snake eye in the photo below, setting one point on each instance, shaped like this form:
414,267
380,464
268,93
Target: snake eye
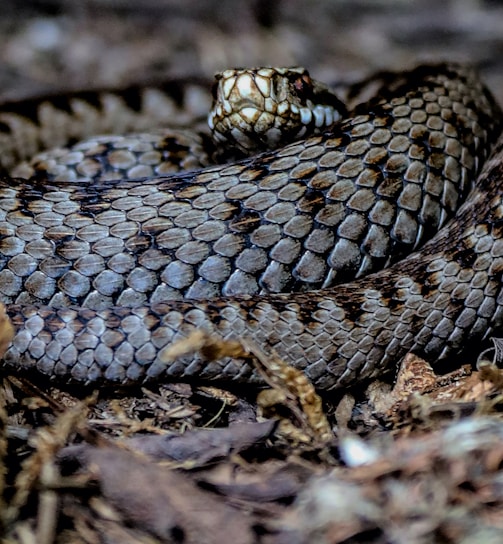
303,85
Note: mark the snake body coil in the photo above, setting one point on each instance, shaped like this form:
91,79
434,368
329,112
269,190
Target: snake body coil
100,278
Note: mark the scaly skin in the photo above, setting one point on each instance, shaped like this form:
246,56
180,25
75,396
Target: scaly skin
93,276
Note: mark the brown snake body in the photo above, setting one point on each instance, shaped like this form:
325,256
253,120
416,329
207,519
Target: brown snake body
100,278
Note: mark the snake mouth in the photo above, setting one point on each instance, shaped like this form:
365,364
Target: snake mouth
322,116
250,128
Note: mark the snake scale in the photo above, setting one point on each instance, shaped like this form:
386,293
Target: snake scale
100,278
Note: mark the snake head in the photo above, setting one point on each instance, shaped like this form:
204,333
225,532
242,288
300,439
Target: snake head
258,109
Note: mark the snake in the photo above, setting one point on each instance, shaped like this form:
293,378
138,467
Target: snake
286,246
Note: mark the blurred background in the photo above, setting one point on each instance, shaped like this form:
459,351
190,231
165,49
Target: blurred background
48,45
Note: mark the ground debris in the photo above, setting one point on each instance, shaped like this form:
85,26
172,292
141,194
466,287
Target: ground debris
420,399
443,487
290,387
133,471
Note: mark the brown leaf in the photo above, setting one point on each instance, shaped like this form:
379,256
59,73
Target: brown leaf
162,501
268,483
201,447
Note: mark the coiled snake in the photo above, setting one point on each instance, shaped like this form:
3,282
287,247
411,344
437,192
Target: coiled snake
100,277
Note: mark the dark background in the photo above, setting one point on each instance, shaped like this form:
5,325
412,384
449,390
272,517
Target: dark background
60,44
